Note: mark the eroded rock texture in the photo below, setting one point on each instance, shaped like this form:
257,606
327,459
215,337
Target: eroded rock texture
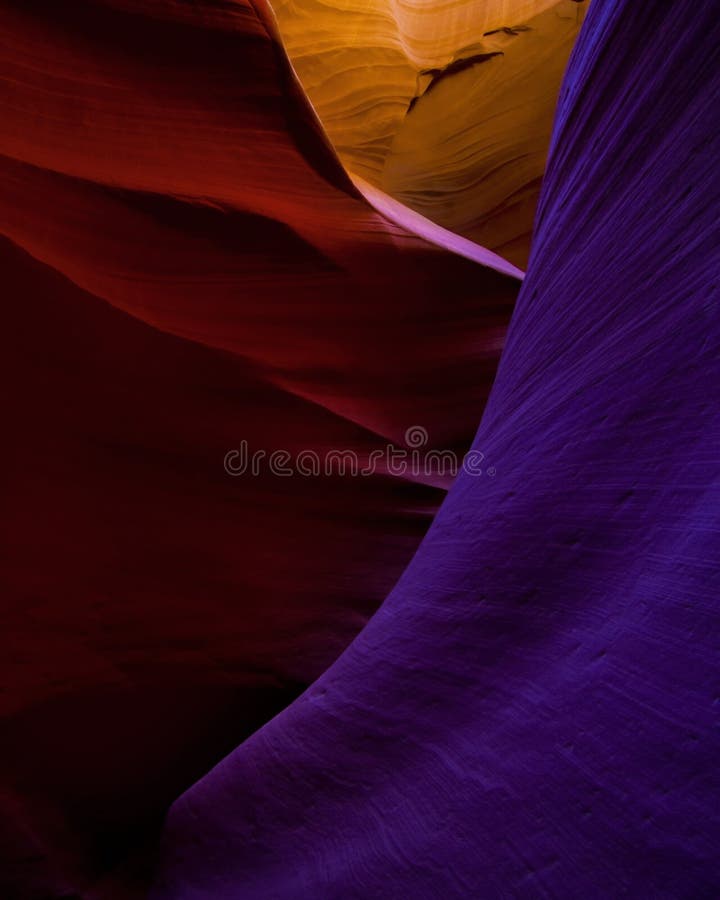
186,266
179,163
533,711
448,107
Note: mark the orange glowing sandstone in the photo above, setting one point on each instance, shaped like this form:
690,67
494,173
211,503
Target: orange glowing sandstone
446,106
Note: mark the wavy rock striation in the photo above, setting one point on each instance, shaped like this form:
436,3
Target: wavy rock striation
187,266
447,107
534,709
185,239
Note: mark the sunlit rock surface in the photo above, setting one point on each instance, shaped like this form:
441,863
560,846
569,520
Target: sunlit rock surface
534,709
448,107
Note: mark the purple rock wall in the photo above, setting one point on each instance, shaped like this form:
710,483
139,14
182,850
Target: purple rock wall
533,710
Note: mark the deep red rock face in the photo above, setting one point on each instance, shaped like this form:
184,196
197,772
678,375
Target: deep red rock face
184,179
188,267
188,271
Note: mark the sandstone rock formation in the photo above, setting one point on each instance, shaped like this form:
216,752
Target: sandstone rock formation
448,107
